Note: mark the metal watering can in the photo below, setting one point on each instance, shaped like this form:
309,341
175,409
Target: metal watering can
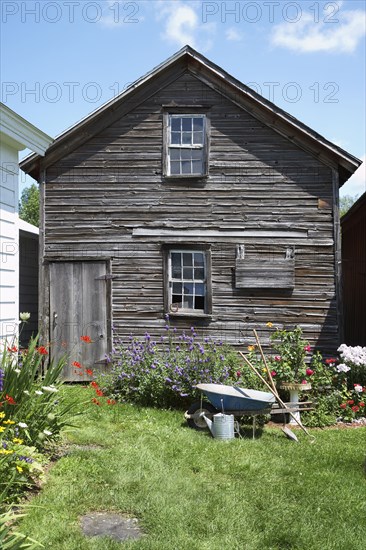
221,426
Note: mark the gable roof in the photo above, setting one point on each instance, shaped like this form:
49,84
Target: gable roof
188,59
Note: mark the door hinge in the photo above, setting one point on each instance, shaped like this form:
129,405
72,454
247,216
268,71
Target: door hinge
107,277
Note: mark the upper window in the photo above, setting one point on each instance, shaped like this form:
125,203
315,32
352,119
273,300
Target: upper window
188,281
186,145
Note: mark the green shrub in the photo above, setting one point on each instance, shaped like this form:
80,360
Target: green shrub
29,393
165,373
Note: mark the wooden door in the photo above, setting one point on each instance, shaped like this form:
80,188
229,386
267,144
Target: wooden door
78,307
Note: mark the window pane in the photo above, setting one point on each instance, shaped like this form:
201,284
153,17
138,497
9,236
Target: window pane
188,302
187,259
197,167
177,299
199,302
186,167
175,139
177,288
197,154
198,124
188,273
174,154
187,124
176,266
175,168
188,288
187,138
198,138
199,260
175,124
199,289
199,273
186,154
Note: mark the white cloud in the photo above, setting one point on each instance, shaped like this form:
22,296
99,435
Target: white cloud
182,25
307,35
233,35
356,185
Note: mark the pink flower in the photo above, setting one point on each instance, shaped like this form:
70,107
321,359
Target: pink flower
277,358
307,348
238,373
309,372
273,373
304,381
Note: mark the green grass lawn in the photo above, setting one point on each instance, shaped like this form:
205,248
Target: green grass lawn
191,492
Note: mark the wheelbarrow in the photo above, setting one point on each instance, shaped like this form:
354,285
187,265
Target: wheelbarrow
229,400
236,401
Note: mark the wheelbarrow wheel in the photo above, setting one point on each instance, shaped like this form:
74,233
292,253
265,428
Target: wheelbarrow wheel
196,411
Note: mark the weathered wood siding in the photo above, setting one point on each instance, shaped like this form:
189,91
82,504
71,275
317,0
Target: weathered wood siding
258,180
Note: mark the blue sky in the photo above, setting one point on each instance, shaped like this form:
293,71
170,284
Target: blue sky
60,60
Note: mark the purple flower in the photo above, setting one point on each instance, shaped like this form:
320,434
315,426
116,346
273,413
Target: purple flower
1,380
168,380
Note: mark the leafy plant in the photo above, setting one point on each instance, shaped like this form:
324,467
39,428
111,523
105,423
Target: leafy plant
29,393
11,539
164,373
288,363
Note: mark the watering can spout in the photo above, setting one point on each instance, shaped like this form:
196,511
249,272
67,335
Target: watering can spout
209,424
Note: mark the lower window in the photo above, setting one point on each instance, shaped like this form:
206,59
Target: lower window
188,285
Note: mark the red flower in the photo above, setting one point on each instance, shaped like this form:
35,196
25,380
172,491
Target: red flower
86,339
350,402
111,402
309,372
99,393
10,400
343,405
77,364
330,361
42,350
307,348
89,372
362,404
13,349
238,373
355,408
94,385
273,373
95,401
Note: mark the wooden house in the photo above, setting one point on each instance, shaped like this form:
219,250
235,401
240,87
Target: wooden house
189,195
16,134
353,225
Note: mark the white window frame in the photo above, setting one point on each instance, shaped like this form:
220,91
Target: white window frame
173,308
203,147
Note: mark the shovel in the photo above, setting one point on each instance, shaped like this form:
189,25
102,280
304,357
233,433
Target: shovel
272,388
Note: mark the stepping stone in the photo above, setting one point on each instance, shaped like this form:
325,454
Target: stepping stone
116,526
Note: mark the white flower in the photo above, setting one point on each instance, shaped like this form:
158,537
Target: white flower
343,368
47,432
38,392
25,316
50,389
22,425
26,392
18,371
358,388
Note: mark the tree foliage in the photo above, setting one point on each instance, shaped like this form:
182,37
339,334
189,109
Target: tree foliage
29,205
345,203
